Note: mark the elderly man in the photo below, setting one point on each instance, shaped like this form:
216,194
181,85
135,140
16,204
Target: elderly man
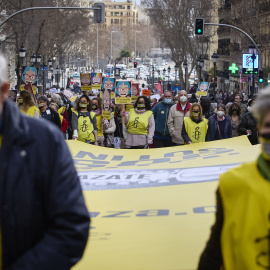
240,235
162,137
176,118
44,220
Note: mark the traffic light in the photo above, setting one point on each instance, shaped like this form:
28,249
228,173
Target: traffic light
135,64
130,60
199,26
99,14
159,81
260,76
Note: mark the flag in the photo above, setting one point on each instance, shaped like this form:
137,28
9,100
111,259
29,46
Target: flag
158,89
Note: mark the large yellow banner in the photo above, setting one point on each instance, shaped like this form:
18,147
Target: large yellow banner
152,209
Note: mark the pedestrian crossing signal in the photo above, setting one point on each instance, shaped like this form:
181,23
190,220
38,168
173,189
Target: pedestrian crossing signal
199,26
135,64
260,76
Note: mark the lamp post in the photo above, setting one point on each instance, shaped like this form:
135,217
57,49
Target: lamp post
185,65
111,45
136,42
169,71
49,66
253,51
36,59
57,76
164,72
63,81
22,52
201,65
153,74
176,69
214,60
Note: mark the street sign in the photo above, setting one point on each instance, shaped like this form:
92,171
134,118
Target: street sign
248,61
247,71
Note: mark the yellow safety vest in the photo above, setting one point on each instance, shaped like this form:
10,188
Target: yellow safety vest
138,123
85,128
196,132
246,227
99,125
61,110
31,111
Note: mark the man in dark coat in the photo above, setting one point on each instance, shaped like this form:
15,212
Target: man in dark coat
44,222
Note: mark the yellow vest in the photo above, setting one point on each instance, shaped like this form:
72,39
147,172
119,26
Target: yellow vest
196,132
61,110
138,123
246,208
85,128
99,126
31,111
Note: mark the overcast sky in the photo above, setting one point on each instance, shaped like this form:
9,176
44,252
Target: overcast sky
137,1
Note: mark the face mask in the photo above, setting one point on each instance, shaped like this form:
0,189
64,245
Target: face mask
265,141
183,99
220,113
20,100
195,113
249,109
167,100
94,107
40,105
140,105
234,110
118,112
83,105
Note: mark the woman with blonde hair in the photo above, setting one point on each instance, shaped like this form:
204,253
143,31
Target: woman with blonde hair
195,126
27,105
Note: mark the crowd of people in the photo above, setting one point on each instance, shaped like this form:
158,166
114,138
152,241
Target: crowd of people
151,123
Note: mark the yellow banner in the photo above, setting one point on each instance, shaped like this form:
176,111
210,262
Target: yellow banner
152,208
122,100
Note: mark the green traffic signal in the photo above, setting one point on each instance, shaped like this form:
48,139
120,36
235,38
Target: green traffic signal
199,31
261,80
199,26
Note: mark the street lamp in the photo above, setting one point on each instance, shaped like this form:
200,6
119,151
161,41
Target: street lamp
36,59
201,65
185,65
136,41
253,51
111,47
63,81
164,72
22,52
176,69
169,71
57,76
214,60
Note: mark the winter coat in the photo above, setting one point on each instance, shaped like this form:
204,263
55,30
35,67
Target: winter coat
161,115
212,128
44,220
249,122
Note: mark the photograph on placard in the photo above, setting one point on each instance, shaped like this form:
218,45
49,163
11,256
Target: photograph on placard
96,80
123,93
135,91
106,102
85,81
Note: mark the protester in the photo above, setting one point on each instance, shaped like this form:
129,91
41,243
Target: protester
118,133
219,125
48,113
225,98
140,125
84,122
248,125
109,129
97,109
195,126
193,98
62,109
64,122
27,104
44,220
234,113
238,99
176,118
12,95
239,238
162,137
153,102
206,107
218,96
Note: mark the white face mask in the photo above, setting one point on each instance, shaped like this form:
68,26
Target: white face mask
220,113
249,109
183,99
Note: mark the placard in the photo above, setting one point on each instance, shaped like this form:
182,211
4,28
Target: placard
203,89
146,92
96,80
85,81
123,93
135,92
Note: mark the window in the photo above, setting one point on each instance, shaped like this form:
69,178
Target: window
116,21
116,13
121,13
121,21
128,7
111,21
111,13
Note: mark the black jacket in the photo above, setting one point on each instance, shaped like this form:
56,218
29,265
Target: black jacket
249,122
55,118
44,220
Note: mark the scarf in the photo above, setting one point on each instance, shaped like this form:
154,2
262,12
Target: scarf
97,112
